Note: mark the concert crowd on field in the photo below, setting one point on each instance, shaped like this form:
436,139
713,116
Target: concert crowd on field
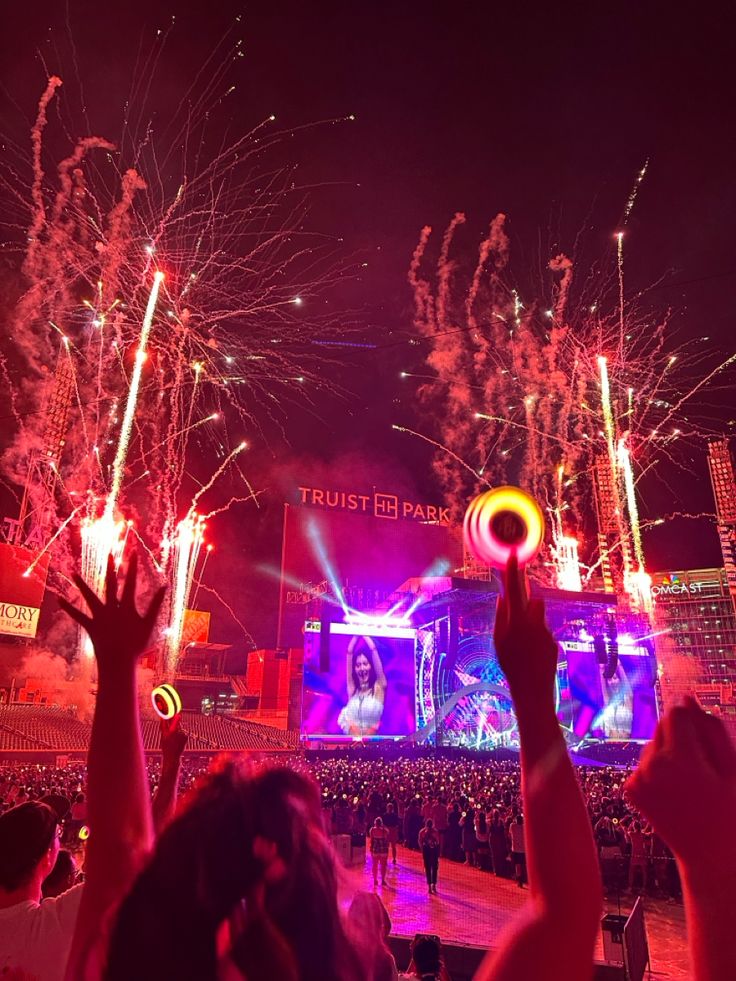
173,869
473,804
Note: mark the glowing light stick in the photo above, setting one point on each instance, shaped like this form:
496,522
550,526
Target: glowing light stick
166,701
501,520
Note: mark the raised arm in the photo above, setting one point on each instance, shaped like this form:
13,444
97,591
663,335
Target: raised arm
173,741
686,786
117,790
377,666
555,938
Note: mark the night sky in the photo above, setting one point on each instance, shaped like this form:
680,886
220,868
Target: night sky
543,112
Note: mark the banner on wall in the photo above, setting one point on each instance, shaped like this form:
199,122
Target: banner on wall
196,628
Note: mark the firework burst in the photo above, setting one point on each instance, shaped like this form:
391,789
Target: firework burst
539,391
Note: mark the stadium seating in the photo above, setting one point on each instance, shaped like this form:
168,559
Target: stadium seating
38,727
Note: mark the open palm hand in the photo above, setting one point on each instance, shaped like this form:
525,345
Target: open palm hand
116,629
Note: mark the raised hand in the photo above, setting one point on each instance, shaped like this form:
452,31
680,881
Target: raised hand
173,739
685,785
173,742
527,651
115,627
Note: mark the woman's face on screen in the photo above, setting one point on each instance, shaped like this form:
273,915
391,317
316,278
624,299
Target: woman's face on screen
362,669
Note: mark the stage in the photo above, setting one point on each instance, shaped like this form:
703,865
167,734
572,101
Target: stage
440,684
473,907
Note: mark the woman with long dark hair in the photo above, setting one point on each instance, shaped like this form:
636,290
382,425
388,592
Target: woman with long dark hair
366,683
243,877
499,846
241,884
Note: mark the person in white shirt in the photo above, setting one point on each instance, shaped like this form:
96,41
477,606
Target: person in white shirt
518,849
35,934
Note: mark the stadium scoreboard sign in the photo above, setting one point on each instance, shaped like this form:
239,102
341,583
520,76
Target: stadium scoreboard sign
356,547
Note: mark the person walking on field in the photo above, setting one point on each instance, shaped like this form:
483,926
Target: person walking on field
429,842
379,850
391,823
639,860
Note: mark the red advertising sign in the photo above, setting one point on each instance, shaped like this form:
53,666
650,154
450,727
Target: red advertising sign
22,586
196,627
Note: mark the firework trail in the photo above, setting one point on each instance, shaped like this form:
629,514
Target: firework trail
118,464
442,449
168,299
616,461
635,190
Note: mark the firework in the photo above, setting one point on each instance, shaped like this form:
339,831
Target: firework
160,319
104,536
567,563
100,537
185,547
572,395
624,458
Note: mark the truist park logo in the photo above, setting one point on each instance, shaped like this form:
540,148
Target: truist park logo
377,503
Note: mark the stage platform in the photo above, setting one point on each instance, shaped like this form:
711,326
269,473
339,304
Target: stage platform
472,908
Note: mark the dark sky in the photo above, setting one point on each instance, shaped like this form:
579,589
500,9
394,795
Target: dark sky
545,112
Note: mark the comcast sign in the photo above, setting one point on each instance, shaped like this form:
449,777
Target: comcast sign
672,585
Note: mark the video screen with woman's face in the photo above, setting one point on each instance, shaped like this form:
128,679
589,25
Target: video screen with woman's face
367,689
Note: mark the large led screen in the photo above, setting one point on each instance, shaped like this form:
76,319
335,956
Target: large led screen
364,687
604,691
610,700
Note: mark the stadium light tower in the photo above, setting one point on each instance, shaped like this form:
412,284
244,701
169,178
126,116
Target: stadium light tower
43,466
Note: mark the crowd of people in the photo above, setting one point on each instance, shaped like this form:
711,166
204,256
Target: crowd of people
474,804
238,879
476,809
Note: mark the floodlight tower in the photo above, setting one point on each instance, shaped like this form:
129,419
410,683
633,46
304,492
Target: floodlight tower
43,465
